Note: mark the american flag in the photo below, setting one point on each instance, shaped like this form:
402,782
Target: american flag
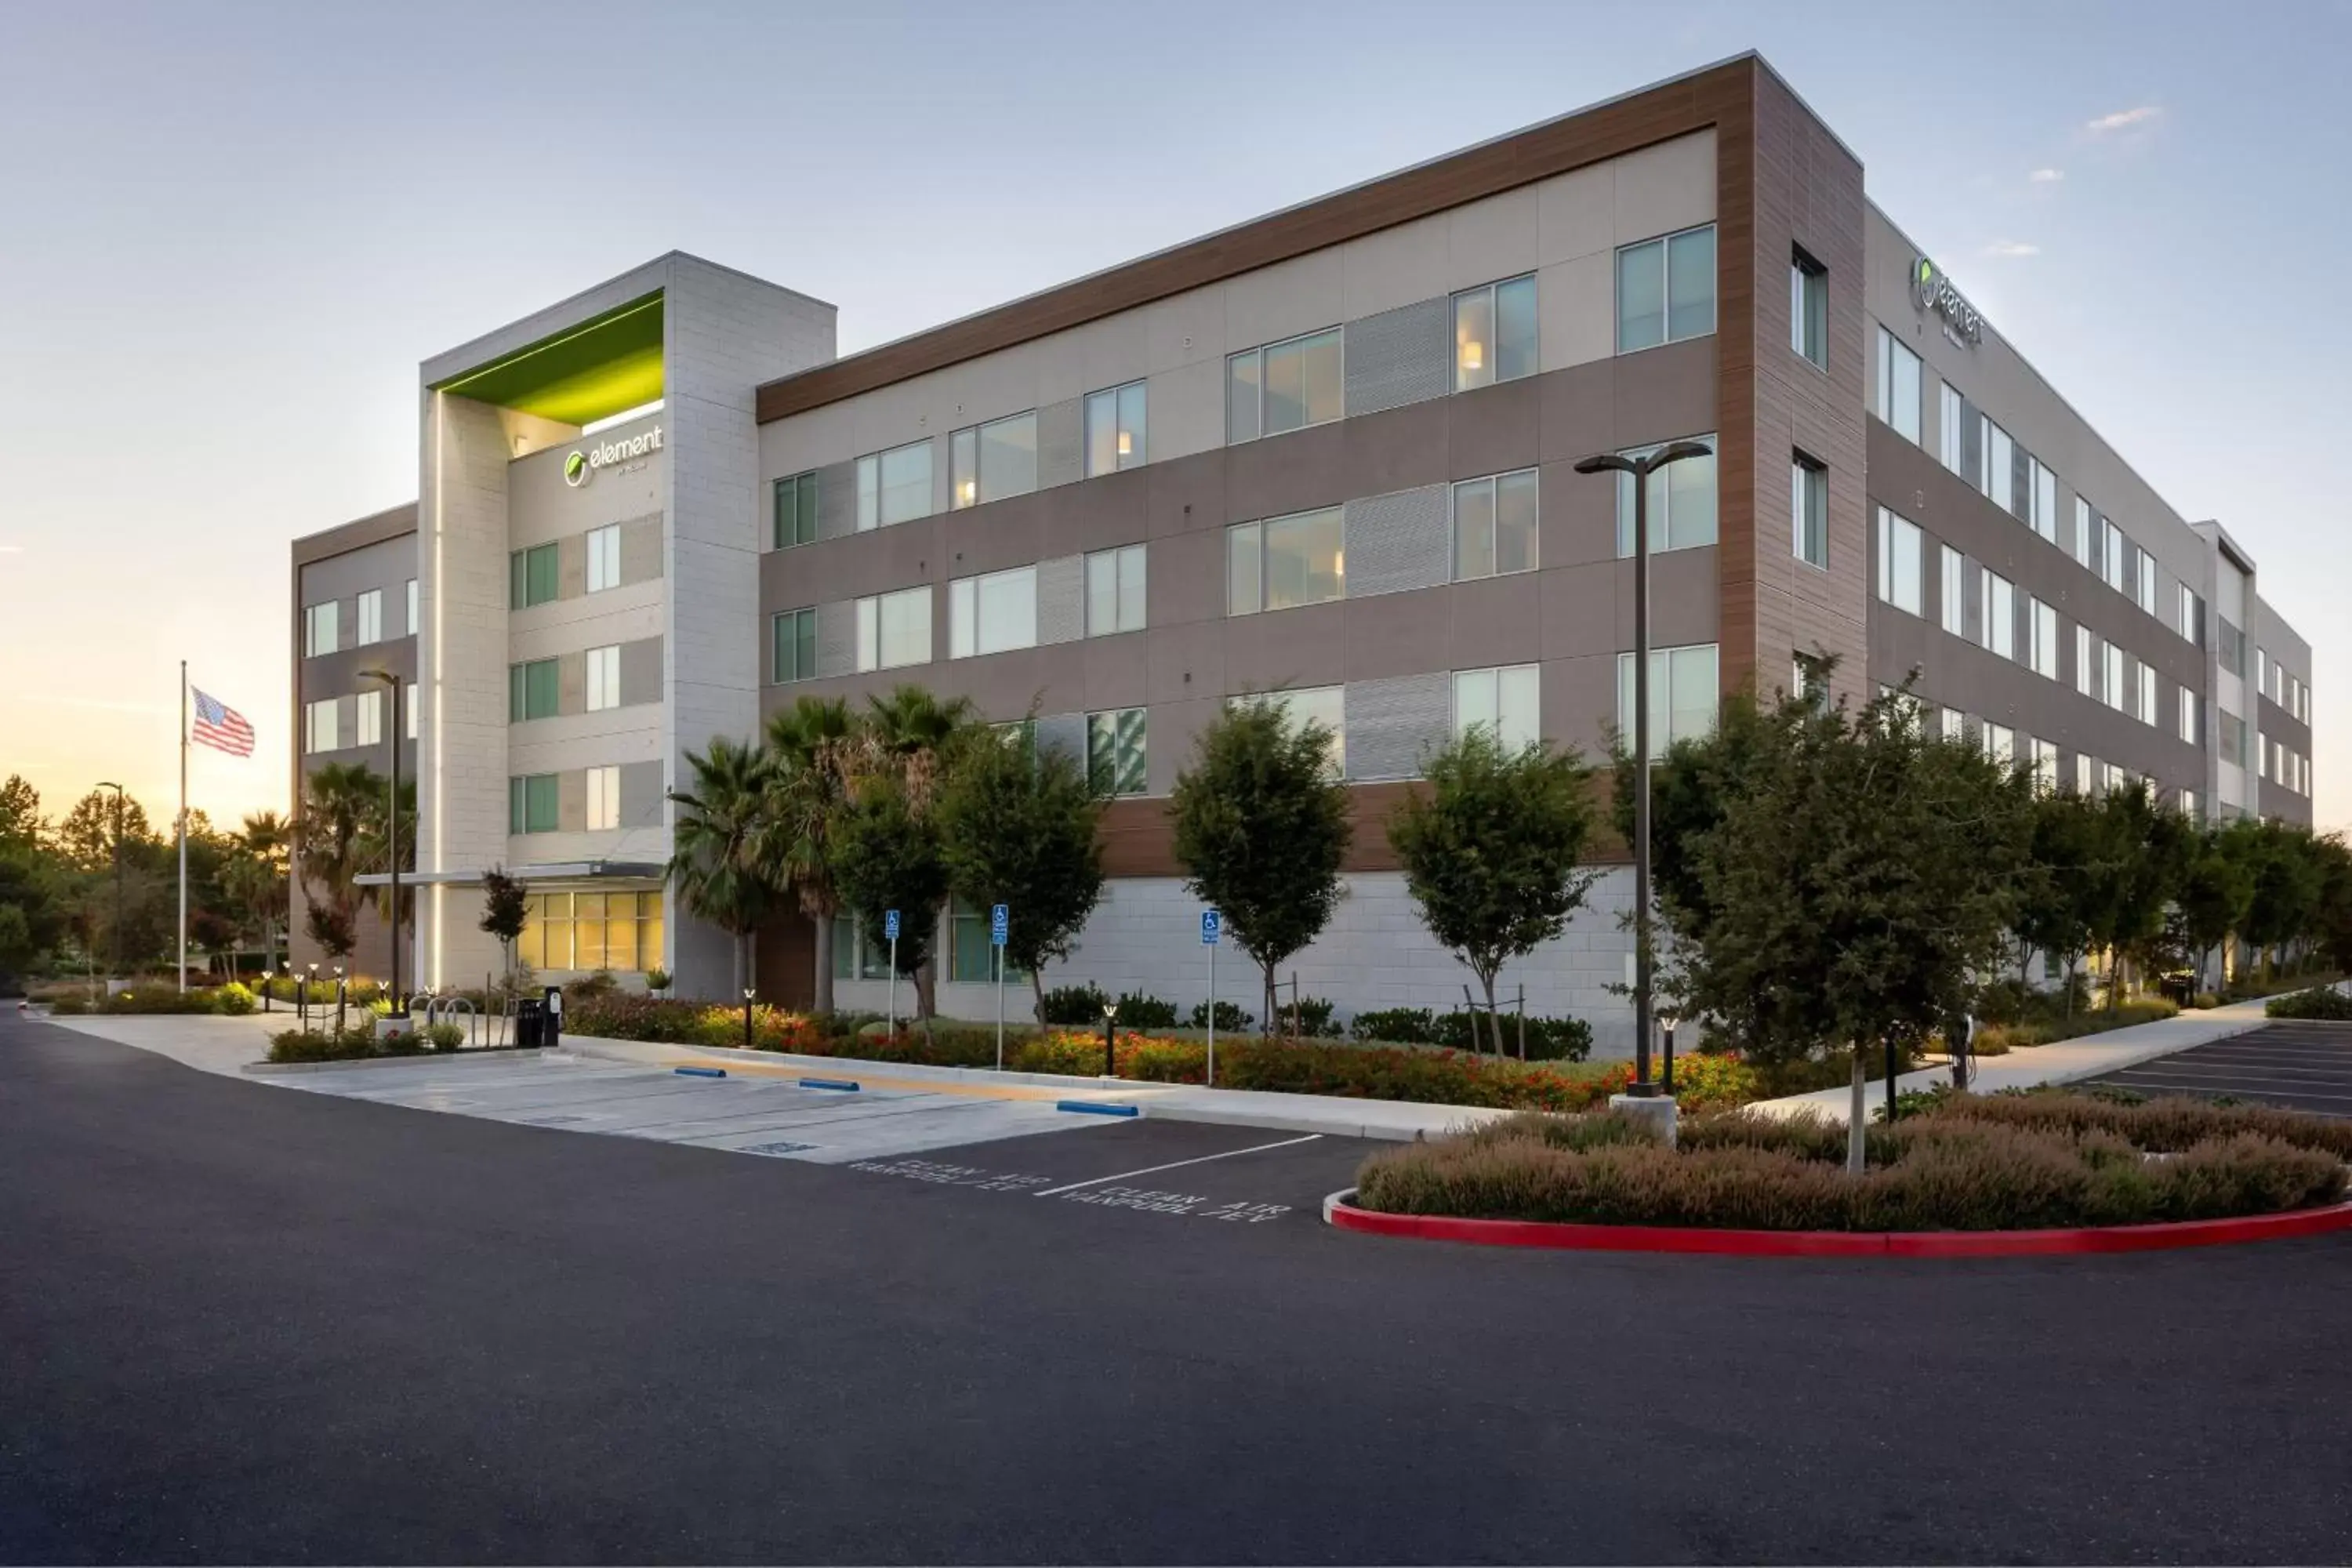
221,727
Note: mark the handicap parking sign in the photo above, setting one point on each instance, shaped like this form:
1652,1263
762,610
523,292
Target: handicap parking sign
1000,920
889,925
1213,927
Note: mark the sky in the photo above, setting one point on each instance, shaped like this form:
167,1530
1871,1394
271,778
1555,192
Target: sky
230,233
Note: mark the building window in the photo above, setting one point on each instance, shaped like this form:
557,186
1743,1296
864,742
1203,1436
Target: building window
591,930
412,606
2114,689
2086,774
1899,565
2192,616
1115,751
1115,591
2146,598
2147,697
1284,386
1494,525
2189,807
603,799
2086,661
1115,429
2191,728
2082,544
321,629
531,803
1898,386
533,689
1808,679
1681,502
603,670
989,462
368,718
971,955
1999,601
1996,466
855,958
1951,725
1808,510
993,614
2044,635
1952,584
532,576
1285,561
793,646
2233,737
894,486
1666,290
408,713
1495,333
894,629
1682,694
2043,754
2115,549
2230,645
1952,431
1506,701
1809,309
1324,705
604,558
369,617
2000,742
796,511
2045,516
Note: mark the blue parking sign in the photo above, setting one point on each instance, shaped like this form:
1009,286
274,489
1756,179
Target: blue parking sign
1213,927
1000,920
889,925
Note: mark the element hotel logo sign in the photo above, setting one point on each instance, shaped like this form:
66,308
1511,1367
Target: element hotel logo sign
581,464
1931,290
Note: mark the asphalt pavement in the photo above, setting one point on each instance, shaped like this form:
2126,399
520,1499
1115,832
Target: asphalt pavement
242,1324
2302,1064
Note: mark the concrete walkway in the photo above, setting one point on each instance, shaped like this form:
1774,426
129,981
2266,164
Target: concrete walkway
2064,1061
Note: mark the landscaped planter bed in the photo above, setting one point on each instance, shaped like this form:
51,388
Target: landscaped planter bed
2031,1173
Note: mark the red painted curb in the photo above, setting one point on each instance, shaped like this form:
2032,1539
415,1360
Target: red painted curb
1837,1243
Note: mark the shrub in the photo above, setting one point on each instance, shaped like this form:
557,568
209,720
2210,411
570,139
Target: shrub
2170,1125
2204,999
2319,1002
1395,1025
321,1045
1138,1011
1231,1019
1548,1039
139,999
1311,1016
68,1007
590,987
446,1036
1076,1003
233,1000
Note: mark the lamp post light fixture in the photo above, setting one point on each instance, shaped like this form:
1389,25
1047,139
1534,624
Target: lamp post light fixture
1666,1021
302,995
114,963
341,995
1110,1039
391,734
1641,469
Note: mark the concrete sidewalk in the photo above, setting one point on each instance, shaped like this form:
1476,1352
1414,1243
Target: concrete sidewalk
2064,1061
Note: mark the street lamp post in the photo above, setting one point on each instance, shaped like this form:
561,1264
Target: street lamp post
1641,469
114,965
392,821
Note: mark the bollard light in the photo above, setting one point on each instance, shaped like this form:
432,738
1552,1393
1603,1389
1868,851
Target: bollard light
1110,1039
748,993
1667,1021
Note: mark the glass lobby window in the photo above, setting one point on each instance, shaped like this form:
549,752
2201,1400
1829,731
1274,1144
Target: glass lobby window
796,511
370,607
1494,525
1808,513
533,576
1505,700
603,799
993,614
894,629
1682,694
1899,564
531,803
1285,561
989,462
1283,387
1115,429
1666,290
1115,591
1898,386
591,930
1809,309
531,689
1495,333
322,627
894,486
1681,502
603,676
793,646
1115,751
1999,602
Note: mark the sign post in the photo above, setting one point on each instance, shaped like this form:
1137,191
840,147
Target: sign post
890,930
1000,925
1212,928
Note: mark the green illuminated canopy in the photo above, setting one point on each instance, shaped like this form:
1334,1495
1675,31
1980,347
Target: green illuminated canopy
587,371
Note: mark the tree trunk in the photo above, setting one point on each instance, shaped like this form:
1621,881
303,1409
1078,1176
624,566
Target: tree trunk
925,984
1494,1019
824,962
1272,1024
1037,995
1857,1117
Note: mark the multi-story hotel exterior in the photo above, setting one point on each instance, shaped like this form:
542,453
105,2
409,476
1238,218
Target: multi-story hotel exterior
1327,452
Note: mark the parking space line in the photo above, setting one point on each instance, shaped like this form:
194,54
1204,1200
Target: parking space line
1172,1164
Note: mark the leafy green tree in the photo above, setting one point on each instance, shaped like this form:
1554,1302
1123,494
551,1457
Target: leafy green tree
506,909
1261,827
721,860
1493,849
88,835
16,947
808,744
887,855
2145,856
2332,925
330,837
1861,875
21,821
2216,886
2059,900
1688,785
2287,882
1017,828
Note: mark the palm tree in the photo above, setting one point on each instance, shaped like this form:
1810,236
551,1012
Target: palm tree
723,860
371,850
339,800
256,878
807,746
896,761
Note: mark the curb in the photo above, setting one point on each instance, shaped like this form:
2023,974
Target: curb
479,1057
1341,1214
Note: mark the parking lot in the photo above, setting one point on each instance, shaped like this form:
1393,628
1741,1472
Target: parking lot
2304,1064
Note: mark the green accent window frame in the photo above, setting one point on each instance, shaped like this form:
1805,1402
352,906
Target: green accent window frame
970,960
533,576
531,803
792,655
796,511
1116,751
533,690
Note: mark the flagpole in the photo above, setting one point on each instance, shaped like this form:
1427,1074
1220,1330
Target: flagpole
184,825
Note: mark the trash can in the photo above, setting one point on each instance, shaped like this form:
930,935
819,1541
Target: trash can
530,1021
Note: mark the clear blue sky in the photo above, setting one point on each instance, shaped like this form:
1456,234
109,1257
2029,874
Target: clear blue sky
228,234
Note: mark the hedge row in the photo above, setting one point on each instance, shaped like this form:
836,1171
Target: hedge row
356,1042
2319,1002
230,1001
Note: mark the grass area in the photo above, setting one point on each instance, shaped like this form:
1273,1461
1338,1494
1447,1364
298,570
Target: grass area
1997,1163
